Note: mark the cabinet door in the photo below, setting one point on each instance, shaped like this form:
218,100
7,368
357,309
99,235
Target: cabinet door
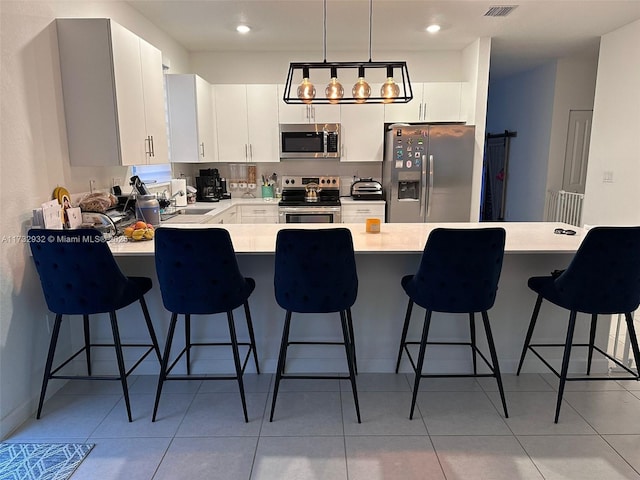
231,123
359,212
183,121
362,132
292,113
441,102
127,70
262,123
406,112
323,113
207,148
154,101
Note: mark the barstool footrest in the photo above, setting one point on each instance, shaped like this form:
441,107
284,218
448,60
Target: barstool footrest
315,377
634,375
208,344
467,344
149,348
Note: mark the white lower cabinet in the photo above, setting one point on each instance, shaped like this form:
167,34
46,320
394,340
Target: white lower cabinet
228,216
259,213
359,212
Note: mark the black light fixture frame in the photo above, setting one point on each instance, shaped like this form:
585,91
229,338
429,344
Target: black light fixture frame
406,93
305,68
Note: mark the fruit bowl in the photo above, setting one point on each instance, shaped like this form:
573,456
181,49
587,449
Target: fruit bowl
139,232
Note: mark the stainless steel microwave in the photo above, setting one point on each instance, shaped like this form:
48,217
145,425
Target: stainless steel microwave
309,140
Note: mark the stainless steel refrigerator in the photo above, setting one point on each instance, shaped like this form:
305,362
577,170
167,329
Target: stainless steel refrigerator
427,173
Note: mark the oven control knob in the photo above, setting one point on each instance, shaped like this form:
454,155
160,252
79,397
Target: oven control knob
333,181
293,180
322,181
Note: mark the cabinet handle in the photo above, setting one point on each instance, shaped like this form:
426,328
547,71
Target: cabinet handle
202,145
153,148
313,112
147,146
245,152
251,152
424,112
420,112
259,211
363,211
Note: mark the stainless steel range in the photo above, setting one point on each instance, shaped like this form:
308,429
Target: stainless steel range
310,200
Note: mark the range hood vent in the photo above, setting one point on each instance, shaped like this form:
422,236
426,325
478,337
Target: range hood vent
500,10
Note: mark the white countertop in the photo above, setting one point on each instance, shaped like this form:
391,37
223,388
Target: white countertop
522,237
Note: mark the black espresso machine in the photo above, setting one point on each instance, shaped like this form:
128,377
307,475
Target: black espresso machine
211,187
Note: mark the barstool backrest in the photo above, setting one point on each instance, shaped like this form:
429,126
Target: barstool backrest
604,275
459,270
197,271
315,270
78,273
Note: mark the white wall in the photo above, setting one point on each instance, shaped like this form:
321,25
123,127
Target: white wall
34,159
615,137
272,67
524,103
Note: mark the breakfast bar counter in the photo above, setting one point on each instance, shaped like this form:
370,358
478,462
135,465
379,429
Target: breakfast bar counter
382,260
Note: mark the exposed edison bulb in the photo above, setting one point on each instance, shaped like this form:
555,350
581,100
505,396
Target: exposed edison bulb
334,91
361,90
306,90
390,89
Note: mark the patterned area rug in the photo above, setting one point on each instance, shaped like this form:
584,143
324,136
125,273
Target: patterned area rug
41,461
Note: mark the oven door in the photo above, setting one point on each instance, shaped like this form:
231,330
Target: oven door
309,215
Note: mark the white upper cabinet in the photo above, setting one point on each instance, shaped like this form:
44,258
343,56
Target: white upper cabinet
191,119
362,132
306,113
432,102
247,123
113,92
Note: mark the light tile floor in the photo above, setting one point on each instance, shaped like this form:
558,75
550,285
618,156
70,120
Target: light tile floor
458,430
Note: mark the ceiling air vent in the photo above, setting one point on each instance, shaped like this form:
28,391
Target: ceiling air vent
500,10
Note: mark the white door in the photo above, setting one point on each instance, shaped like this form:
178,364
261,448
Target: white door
577,152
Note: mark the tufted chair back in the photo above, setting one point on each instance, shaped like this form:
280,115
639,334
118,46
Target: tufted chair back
604,275
315,270
198,271
78,273
459,270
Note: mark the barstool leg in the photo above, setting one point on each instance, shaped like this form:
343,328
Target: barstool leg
252,337
472,331
281,359
633,340
532,324
236,360
353,339
592,339
164,363
120,360
494,360
423,347
348,345
87,342
49,364
187,340
565,361
405,328
152,332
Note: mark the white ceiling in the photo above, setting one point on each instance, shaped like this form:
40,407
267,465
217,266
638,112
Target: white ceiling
535,32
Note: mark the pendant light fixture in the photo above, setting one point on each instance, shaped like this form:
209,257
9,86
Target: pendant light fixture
390,92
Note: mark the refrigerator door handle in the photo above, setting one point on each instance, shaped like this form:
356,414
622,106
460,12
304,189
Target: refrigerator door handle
430,184
423,195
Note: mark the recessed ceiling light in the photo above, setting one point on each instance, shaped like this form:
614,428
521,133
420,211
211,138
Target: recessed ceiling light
433,28
243,29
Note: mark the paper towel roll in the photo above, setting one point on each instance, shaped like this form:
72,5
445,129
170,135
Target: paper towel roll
177,185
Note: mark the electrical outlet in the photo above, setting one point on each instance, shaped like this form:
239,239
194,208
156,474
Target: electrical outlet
92,185
116,181
607,177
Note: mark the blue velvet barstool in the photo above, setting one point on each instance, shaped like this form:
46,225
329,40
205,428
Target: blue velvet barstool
79,276
198,275
458,273
315,272
603,278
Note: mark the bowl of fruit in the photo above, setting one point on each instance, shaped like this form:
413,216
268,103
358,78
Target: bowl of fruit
139,231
